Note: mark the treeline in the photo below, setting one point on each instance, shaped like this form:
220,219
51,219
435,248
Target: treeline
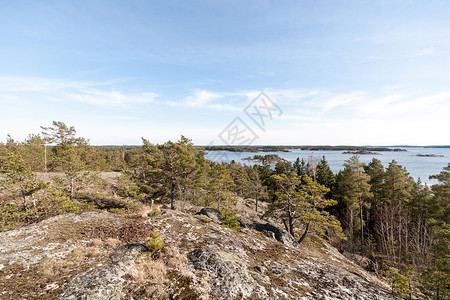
256,148
380,213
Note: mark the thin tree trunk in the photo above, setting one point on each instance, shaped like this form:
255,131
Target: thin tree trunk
362,226
285,225
172,200
291,226
45,157
304,234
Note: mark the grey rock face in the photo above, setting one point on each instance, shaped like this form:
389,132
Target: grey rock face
106,283
230,276
211,213
280,235
202,259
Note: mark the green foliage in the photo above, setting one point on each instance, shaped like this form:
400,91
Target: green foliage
18,179
301,201
230,218
300,166
324,174
155,243
398,282
160,170
255,188
53,202
355,195
221,185
283,167
436,282
436,278
155,211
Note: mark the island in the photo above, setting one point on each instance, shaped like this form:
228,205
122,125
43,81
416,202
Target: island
429,155
266,159
280,148
361,152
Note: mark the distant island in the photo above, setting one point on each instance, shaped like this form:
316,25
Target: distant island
268,159
259,148
429,155
362,152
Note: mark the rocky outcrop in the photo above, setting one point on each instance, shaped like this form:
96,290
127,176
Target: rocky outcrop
105,283
279,234
102,256
211,213
229,273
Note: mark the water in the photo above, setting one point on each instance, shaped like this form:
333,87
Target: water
418,167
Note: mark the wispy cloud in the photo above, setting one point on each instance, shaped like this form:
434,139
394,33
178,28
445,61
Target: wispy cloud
228,101
94,93
202,98
429,51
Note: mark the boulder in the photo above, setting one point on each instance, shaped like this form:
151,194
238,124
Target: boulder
105,283
281,235
211,213
230,278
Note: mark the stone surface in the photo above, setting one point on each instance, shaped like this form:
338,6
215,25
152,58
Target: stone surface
211,213
91,256
279,234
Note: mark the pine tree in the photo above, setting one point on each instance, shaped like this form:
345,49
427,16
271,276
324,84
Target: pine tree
283,167
436,278
301,201
392,215
72,155
160,170
257,190
325,176
19,179
221,185
356,195
300,166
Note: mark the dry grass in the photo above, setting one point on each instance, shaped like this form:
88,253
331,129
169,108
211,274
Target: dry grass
96,243
46,267
78,255
173,258
149,271
145,211
113,243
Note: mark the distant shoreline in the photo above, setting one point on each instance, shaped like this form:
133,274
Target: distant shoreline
259,148
429,155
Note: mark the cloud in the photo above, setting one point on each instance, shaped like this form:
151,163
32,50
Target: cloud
202,97
110,98
426,51
94,93
229,101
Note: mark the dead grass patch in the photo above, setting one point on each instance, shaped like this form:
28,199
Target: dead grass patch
149,271
112,242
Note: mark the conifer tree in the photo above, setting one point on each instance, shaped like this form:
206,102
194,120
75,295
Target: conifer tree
356,194
325,176
436,278
257,190
301,201
160,169
300,166
19,179
73,156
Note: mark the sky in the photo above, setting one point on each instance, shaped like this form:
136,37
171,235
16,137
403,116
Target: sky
349,72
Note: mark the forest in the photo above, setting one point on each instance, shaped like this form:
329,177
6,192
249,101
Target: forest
398,227
256,148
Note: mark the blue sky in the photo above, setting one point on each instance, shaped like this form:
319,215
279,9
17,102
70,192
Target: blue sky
342,72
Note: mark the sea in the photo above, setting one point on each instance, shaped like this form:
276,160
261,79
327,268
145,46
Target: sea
417,166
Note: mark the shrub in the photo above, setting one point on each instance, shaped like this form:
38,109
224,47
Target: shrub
230,219
155,243
52,203
399,283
